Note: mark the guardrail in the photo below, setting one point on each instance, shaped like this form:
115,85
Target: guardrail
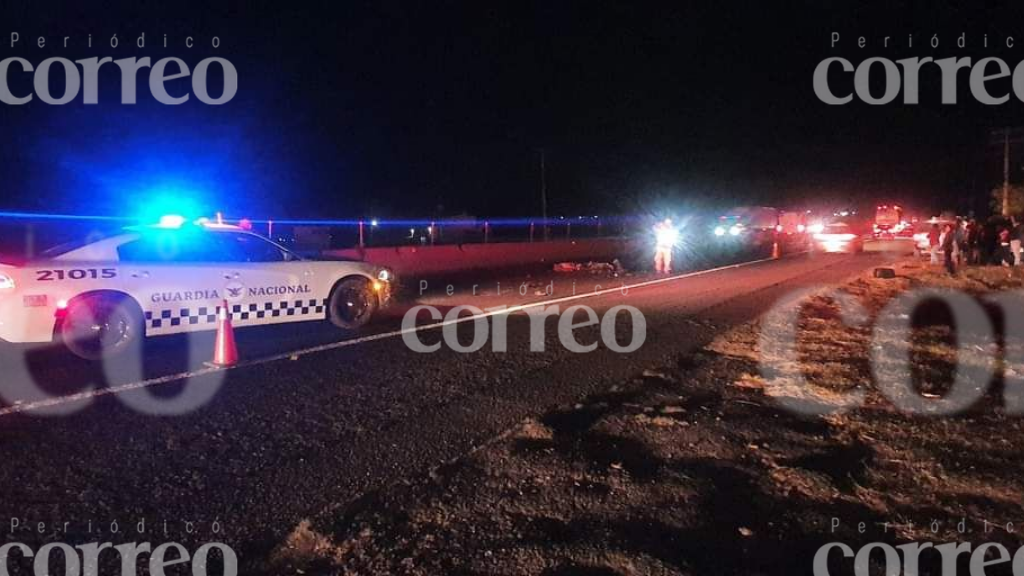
411,260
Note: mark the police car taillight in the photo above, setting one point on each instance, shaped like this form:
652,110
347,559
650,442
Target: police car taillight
6,282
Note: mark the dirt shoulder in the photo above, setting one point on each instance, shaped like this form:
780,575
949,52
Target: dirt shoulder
698,468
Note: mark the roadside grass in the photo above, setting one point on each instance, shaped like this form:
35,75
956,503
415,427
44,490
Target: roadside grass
697,468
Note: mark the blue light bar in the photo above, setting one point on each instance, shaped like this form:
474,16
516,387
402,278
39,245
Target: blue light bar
171,221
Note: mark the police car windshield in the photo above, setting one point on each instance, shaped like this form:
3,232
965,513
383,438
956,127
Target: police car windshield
197,245
66,247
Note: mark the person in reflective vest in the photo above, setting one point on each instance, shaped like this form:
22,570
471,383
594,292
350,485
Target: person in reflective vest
665,238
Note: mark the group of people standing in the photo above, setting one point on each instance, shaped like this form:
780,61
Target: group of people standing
995,242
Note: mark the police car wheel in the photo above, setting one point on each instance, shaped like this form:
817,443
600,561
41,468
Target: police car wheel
99,327
352,303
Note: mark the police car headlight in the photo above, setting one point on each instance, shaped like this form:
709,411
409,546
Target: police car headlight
6,282
384,275
720,231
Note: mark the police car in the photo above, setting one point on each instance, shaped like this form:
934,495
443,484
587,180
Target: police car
102,297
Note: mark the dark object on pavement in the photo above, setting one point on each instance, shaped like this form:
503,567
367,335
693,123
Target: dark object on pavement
885,273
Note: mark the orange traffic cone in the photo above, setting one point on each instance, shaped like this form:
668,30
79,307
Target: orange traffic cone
225,353
776,251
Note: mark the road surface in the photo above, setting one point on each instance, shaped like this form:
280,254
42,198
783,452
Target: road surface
288,437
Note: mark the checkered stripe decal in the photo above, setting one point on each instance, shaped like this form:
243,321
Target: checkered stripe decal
208,314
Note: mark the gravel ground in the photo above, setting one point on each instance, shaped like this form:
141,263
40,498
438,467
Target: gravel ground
695,468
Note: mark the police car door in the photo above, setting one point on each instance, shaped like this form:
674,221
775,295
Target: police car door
179,279
270,284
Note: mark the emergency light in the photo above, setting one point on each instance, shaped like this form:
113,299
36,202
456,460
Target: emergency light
171,221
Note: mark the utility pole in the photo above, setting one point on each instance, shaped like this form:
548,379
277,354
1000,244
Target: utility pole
1006,172
1006,136
544,192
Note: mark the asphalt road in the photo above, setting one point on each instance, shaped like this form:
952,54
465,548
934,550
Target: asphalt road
283,440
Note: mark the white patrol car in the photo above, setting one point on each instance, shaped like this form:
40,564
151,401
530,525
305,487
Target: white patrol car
101,297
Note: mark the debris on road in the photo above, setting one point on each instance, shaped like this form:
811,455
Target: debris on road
658,375
885,273
613,268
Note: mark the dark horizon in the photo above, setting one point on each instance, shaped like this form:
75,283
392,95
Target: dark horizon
396,111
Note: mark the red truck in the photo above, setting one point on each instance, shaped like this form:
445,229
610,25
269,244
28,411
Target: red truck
889,222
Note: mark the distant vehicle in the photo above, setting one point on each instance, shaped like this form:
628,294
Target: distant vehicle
839,237
889,222
791,223
100,297
749,225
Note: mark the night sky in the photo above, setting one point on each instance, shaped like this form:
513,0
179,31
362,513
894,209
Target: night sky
401,109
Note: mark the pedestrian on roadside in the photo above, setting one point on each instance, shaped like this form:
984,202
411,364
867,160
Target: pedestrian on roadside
1004,253
959,242
665,241
990,243
948,243
1015,240
979,243
933,244
973,242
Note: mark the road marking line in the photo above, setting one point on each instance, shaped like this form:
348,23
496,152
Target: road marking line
295,354
120,389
